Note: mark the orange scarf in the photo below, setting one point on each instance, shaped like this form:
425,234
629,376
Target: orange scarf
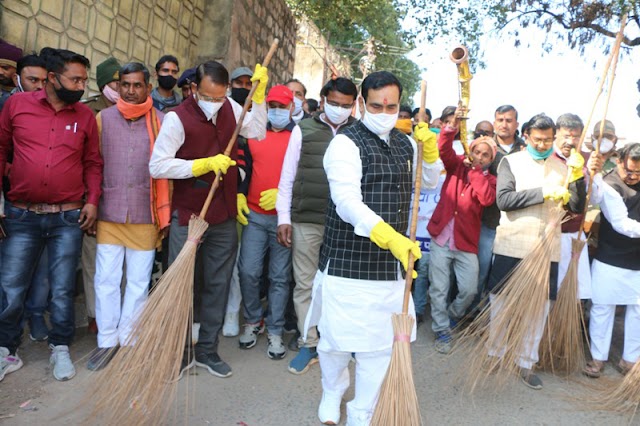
160,200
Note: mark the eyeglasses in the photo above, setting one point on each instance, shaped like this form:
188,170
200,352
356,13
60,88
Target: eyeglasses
74,80
210,99
632,173
545,142
335,104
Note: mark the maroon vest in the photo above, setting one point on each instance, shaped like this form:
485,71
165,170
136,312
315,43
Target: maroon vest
202,139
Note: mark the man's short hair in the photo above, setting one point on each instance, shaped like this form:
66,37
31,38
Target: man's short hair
540,122
214,70
340,84
630,151
426,111
133,67
57,59
569,121
405,108
167,58
295,80
312,105
32,60
506,108
377,80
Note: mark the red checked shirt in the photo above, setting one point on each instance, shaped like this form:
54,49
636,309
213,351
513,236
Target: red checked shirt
56,155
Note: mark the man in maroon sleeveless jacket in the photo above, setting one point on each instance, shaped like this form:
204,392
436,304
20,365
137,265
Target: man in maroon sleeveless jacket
189,150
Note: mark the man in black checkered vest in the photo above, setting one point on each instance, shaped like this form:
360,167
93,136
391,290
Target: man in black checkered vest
370,168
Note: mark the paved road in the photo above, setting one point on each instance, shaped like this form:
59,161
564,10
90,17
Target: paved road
262,392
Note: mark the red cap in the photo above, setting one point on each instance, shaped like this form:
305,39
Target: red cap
281,94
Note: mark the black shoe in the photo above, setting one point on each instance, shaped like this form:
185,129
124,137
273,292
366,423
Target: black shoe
293,343
100,357
530,379
214,364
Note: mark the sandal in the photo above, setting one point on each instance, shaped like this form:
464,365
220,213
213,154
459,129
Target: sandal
624,367
593,369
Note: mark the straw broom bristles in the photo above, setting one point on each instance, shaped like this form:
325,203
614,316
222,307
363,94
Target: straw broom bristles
624,397
561,348
503,331
139,385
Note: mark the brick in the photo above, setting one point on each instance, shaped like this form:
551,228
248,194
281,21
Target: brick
142,17
125,9
46,37
53,8
80,16
103,28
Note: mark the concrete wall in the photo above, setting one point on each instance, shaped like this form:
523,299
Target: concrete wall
312,54
234,32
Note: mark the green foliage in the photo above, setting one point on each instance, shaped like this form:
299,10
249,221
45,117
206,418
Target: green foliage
348,24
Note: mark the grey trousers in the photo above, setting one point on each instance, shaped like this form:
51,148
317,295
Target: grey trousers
217,252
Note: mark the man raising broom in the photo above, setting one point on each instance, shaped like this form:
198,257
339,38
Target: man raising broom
359,285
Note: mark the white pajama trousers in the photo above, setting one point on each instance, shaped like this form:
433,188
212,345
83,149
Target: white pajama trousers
529,356
114,314
601,328
371,368
235,296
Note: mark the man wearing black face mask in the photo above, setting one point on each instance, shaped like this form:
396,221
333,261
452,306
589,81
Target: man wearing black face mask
240,84
56,185
167,70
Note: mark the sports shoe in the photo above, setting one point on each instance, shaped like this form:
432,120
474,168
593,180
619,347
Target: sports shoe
303,361
293,342
290,327
249,338
329,409
276,349
231,327
100,357
530,379
443,342
188,362
60,360
8,363
38,331
214,364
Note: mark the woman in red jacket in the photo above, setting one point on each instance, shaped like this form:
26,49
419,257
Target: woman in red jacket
455,228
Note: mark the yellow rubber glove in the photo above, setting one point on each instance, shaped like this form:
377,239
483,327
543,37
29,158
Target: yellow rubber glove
218,163
385,237
268,199
422,133
576,162
556,193
243,209
261,75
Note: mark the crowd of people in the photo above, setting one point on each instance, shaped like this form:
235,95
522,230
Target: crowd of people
308,228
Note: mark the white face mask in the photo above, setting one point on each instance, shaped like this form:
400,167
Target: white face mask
380,124
209,108
606,145
297,105
336,114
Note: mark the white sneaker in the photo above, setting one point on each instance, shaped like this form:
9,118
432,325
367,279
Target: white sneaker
329,409
63,368
276,349
231,327
8,363
195,332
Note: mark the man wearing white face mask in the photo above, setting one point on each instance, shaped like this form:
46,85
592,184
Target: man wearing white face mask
263,166
607,144
302,202
299,97
189,149
370,167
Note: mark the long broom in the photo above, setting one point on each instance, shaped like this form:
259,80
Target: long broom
140,383
561,348
397,401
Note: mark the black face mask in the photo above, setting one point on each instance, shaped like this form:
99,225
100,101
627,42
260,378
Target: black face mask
67,96
239,94
167,82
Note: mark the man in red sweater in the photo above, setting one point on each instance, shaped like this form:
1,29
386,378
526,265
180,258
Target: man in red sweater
455,228
263,166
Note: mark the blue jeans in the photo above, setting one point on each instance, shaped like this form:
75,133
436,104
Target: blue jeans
258,237
38,296
60,236
421,284
485,257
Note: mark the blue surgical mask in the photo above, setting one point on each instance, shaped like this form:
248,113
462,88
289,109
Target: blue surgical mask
297,106
279,118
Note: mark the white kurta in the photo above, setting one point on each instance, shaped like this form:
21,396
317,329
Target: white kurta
613,285
584,272
355,315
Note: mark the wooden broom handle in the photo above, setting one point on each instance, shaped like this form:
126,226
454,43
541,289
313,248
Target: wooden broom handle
408,280
236,132
423,101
